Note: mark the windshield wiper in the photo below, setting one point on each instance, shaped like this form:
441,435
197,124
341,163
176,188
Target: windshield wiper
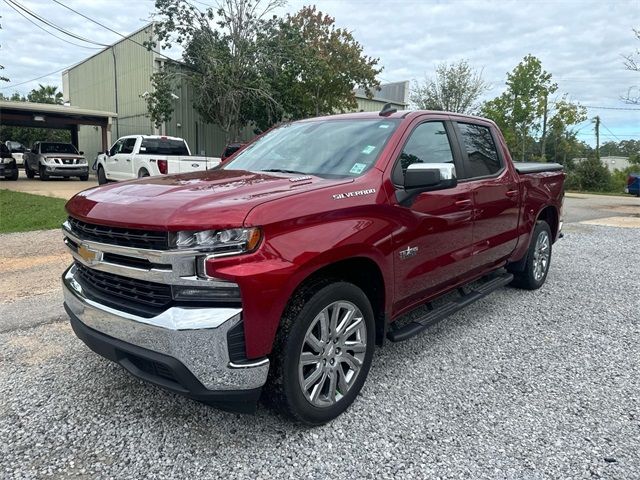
281,170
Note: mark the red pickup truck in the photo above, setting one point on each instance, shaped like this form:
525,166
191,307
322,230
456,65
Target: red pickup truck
277,273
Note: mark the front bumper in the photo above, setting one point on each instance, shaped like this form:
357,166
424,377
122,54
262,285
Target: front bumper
8,169
183,349
67,171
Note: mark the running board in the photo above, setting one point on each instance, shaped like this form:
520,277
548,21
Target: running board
467,297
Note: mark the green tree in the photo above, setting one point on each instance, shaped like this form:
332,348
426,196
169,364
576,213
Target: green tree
220,58
45,94
455,87
314,66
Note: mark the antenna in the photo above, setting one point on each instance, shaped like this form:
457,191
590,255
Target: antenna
387,110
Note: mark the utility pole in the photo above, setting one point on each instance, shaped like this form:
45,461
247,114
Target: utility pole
597,120
544,127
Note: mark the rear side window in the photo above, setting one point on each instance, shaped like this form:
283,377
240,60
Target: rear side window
428,143
482,156
163,146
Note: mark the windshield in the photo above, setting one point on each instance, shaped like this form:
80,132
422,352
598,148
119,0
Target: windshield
15,146
326,148
57,148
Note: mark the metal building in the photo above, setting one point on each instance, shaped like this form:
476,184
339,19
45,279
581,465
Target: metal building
117,79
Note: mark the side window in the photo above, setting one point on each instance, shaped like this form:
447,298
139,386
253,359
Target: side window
428,143
116,148
128,145
482,155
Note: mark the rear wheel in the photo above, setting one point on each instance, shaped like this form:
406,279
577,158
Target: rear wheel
143,173
30,173
323,353
538,259
43,173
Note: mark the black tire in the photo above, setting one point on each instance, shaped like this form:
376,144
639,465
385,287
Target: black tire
84,178
43,174
283,390
30,173
14,176
527,278
143,173
102,177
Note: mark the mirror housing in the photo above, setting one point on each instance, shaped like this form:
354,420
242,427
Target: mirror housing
80,152
426,177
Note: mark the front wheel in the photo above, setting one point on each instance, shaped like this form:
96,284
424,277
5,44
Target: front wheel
84,178
323,353
102,177
43,173
30,173
538,259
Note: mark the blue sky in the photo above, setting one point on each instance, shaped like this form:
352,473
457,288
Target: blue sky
580,42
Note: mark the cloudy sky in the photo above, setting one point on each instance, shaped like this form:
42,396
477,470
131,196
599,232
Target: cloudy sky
580,42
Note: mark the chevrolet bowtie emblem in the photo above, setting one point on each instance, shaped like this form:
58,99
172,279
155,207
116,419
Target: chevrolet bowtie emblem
90,256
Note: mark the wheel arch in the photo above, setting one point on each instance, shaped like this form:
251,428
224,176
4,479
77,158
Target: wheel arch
550,215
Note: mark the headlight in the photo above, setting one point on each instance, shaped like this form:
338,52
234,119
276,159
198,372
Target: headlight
219,242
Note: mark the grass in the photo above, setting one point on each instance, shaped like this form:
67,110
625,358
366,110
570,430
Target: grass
23,212
607,194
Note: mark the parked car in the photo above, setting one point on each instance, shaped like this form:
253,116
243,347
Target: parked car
8,167
55,159
136,156
278,272
17,150
633,184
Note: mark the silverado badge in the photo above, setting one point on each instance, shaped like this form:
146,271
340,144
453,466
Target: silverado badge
90,256
409,252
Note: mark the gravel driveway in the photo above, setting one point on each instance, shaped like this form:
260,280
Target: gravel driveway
523,385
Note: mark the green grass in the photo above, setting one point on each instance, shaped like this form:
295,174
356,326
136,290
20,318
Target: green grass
608,194
23,212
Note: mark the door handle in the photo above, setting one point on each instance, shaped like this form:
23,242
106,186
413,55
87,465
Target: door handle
512,193
128,159
463,203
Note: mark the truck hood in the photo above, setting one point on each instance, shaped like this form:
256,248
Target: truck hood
192,201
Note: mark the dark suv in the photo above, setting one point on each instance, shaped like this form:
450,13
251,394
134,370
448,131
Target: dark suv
8,167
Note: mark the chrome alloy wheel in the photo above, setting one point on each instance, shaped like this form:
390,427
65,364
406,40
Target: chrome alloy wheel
332,353
541,254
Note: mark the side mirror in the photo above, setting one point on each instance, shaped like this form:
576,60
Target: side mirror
426,177
106,152
80,152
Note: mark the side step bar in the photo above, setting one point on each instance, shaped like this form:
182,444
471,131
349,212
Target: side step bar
467,297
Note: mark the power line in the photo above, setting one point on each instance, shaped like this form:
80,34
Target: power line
34,79
108,28
47,31
613,108
52,25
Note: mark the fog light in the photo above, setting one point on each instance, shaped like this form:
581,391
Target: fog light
222,292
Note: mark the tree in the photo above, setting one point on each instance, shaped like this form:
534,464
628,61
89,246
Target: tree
456,87
45,94
632,62
314,67
220,59
527,117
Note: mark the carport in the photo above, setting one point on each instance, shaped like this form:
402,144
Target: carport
44,115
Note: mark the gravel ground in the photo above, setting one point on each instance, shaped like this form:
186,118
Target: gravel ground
522,385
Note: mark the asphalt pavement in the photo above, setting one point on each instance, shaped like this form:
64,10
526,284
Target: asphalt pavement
523,385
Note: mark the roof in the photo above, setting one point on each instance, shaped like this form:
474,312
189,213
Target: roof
395,92
53,109
401,114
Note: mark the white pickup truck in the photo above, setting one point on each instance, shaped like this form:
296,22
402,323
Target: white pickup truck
136,156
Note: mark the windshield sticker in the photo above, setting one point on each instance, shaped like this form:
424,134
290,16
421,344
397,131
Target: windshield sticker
383,125
368,149
358,193
358,168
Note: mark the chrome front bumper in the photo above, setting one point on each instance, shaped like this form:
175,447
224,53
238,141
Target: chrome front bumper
196,337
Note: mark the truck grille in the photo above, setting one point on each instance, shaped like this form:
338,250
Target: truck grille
135,296
124,237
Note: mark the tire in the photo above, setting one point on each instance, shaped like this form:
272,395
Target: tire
84,178
332,364
102,177
43,174
30,173
14,177
536,269
143,173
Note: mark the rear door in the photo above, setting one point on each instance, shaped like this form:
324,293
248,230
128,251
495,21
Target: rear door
433,248
495,192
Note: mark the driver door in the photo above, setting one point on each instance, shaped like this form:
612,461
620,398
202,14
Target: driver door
112,162
432,249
